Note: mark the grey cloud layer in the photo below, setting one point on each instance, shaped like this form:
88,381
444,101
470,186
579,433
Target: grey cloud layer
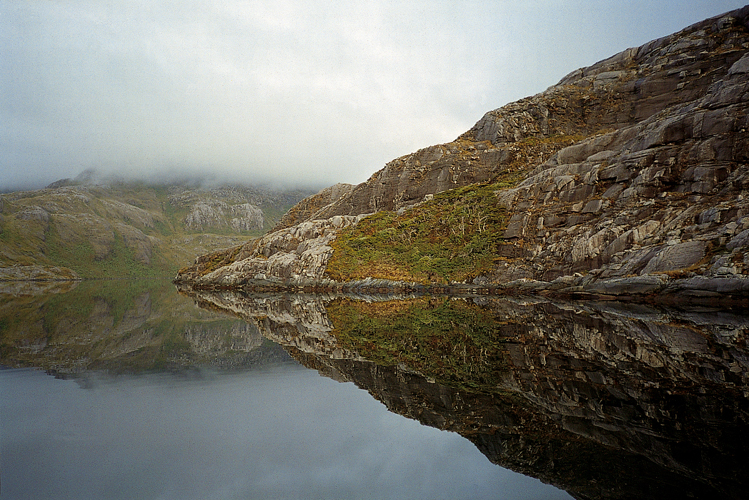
307,93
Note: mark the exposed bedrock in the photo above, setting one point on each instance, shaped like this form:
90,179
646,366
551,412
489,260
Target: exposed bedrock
635,179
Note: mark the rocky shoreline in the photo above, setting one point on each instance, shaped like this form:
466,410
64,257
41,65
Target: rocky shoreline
657,289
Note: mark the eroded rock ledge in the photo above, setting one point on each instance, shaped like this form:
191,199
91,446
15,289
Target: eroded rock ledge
636,184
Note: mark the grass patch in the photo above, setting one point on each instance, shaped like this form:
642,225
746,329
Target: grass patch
120,262
210,262
451,238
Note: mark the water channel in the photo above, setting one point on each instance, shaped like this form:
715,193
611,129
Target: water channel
129,389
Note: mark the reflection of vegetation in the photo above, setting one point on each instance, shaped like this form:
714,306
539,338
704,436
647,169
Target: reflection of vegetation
452,341
118,295
453,237
123,326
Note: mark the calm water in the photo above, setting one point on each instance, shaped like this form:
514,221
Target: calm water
156,398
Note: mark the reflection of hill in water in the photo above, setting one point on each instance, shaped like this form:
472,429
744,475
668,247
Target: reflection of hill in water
604,400
124,326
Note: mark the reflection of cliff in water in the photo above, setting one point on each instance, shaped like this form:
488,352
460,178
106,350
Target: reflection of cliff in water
605,400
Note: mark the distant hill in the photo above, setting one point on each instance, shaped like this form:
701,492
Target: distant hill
128,229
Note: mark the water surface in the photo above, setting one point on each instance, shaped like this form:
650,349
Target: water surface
156,398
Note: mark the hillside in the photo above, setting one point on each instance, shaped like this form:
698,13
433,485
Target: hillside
73,229
630,176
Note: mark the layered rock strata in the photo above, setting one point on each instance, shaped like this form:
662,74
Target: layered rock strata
636,179
666,195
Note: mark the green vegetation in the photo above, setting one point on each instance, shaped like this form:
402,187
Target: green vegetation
215,260
455,342
110,298
124,230
120,262
451,238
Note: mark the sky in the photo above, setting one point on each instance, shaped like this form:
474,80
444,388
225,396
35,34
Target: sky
291,93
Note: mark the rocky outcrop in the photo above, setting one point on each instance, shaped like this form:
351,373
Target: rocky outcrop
293,256
666,191
234,208
668,195
615,93
635,168
665,195
216,215
310,207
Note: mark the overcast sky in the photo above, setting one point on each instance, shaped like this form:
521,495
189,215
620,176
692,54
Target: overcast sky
307,93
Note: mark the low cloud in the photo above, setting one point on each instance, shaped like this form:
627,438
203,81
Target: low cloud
298,93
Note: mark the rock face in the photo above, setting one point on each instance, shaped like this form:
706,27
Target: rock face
295,255
662,195
227,208
637,166
310,207
613,94
243,217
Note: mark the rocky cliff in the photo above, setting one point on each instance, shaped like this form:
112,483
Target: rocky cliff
630,176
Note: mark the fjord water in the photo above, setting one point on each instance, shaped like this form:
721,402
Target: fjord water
127,390
281,431
316,396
